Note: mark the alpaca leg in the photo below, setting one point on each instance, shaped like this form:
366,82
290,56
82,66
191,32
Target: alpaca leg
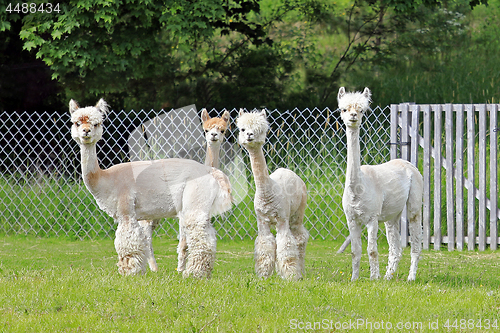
148,226
414,208
202,245
132,246
355,234
301,236
265,249
287,253
182,247
416,244
372,250
299,232
394,240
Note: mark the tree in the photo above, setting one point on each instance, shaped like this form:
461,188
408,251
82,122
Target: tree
134,51
162,54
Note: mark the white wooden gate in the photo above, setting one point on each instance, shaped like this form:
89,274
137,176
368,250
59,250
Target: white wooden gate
456,147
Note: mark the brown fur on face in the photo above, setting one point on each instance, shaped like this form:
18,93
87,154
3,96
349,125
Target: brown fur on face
217,123
209,123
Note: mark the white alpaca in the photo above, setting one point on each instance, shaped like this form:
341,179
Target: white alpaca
150,190
215,130
378,193
280,201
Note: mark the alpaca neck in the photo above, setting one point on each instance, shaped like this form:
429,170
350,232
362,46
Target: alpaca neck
90,164
259,169
212,157
353,173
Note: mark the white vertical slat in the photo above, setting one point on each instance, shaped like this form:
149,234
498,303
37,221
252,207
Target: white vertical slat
437,177
404,155
471,195
404,132
494,129
415,114
426,214
394,132
482,177
450,202
459,172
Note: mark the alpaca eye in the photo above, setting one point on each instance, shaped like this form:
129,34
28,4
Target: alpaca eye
343,110
206,131
243,130
78,123
222,132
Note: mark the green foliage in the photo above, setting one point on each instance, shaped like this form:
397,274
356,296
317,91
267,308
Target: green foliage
134,50
280,54
432,65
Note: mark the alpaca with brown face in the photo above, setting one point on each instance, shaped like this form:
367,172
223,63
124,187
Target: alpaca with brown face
215,131
137,193
378,193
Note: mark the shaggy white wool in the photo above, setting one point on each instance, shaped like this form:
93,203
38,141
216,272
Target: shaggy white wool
358,100
92,114
280,201
256,121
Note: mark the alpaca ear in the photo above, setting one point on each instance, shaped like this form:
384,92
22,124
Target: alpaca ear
263,113
204,115
73,106
226,116
241,112
102,106
367,93
341,93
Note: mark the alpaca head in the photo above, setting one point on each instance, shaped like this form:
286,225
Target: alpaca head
352,105
87,121
253,128
215,128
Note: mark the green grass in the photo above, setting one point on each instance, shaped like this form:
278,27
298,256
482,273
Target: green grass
56,285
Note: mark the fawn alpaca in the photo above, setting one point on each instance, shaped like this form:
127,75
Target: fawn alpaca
215,130
150,190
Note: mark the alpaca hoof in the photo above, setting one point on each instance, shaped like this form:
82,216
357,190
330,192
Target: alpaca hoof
264,266
181,268
153,266
200,266
130,265
197,274
289,269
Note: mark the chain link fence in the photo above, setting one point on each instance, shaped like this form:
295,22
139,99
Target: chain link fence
42,193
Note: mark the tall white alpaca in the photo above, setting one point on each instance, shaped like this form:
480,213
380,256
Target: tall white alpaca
378,193
280,201
215,130
150,190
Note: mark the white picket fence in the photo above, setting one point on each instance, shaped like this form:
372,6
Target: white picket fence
460,207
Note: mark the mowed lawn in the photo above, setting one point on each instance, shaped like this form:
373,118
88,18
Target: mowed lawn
59,285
